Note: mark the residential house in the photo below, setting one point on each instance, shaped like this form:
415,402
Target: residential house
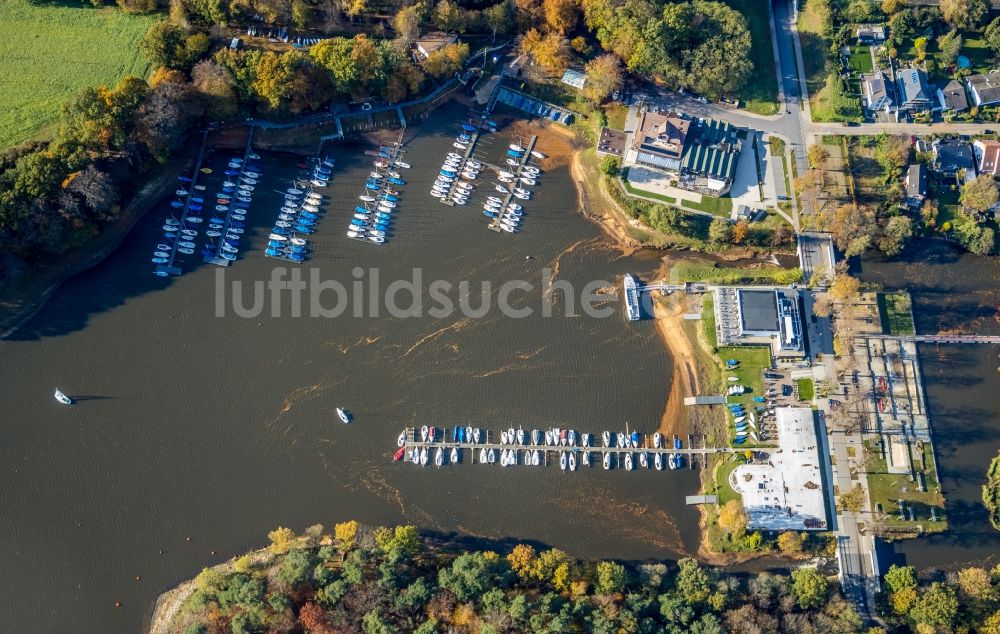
985,89
952,156
987,156
916,185
877,89
870,35
914,90
952,97
701,153
432,42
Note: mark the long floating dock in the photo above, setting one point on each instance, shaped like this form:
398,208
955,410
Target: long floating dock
495,223
413,441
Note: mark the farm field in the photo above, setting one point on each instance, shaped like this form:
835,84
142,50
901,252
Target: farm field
50,51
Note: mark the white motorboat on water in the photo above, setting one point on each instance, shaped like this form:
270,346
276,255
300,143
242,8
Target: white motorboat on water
537,154
491,457
629,464
343,414
423,457
453,458
401,440
405,166
483,458
503,174
607,460
643,460
423,433
572,462
536,458
62,398
461,146
658,461
563,460
502,189
657,440
606,437
516,148
366,198
439,457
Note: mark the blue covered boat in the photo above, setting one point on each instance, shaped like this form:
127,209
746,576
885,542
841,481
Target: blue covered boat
396,181
303,229
392,198
469,128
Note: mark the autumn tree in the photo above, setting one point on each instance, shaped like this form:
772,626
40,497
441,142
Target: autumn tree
791,542
560,15
282,540
937,607
979,194
895,234
845,289
853,227
346,533
604,76
407,23
732,518
500,17
817,155
551,51
447,16
740,231
447,60
965,15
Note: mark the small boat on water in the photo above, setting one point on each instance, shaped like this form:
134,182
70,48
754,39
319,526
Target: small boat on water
520,436
537,154
453,458
402,164
504,438
672,462
423,457
607,460
657,440
563,461
629,464
585,439
396,457
402,439
606,437
621,439
439,457
62,398
658,461
482,456
643,460
516,148
536,458
423,433
461,146
491,457
572,462
502,189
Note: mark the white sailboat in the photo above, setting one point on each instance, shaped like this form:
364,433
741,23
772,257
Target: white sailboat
62,398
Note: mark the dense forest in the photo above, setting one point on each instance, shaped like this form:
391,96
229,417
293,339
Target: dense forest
382,580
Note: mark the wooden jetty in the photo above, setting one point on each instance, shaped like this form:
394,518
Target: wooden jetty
490,440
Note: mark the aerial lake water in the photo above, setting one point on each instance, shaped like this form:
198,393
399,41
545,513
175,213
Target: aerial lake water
196,434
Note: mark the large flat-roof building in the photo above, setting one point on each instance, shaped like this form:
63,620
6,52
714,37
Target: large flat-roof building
785,490
701,153
760,316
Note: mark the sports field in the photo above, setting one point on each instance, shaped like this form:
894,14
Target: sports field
51,49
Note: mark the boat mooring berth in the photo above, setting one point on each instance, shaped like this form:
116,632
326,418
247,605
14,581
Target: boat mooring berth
540,447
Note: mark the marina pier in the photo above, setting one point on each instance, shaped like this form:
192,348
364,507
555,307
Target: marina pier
469,450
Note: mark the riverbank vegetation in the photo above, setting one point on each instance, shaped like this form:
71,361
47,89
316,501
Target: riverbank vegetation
396,580
383,580
991,492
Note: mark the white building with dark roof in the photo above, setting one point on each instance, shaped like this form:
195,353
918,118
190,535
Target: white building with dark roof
984,89
760,315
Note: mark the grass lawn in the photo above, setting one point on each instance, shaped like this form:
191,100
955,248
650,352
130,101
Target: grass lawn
760,95
50,51
807,390
895,313
860,60
708,321
814,50
616,114
722,206
689,271
887,489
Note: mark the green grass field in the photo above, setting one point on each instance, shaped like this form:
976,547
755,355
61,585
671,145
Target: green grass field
760,95
895,312
860,60
807,391
50,51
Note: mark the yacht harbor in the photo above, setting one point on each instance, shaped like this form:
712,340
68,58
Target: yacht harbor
566,448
